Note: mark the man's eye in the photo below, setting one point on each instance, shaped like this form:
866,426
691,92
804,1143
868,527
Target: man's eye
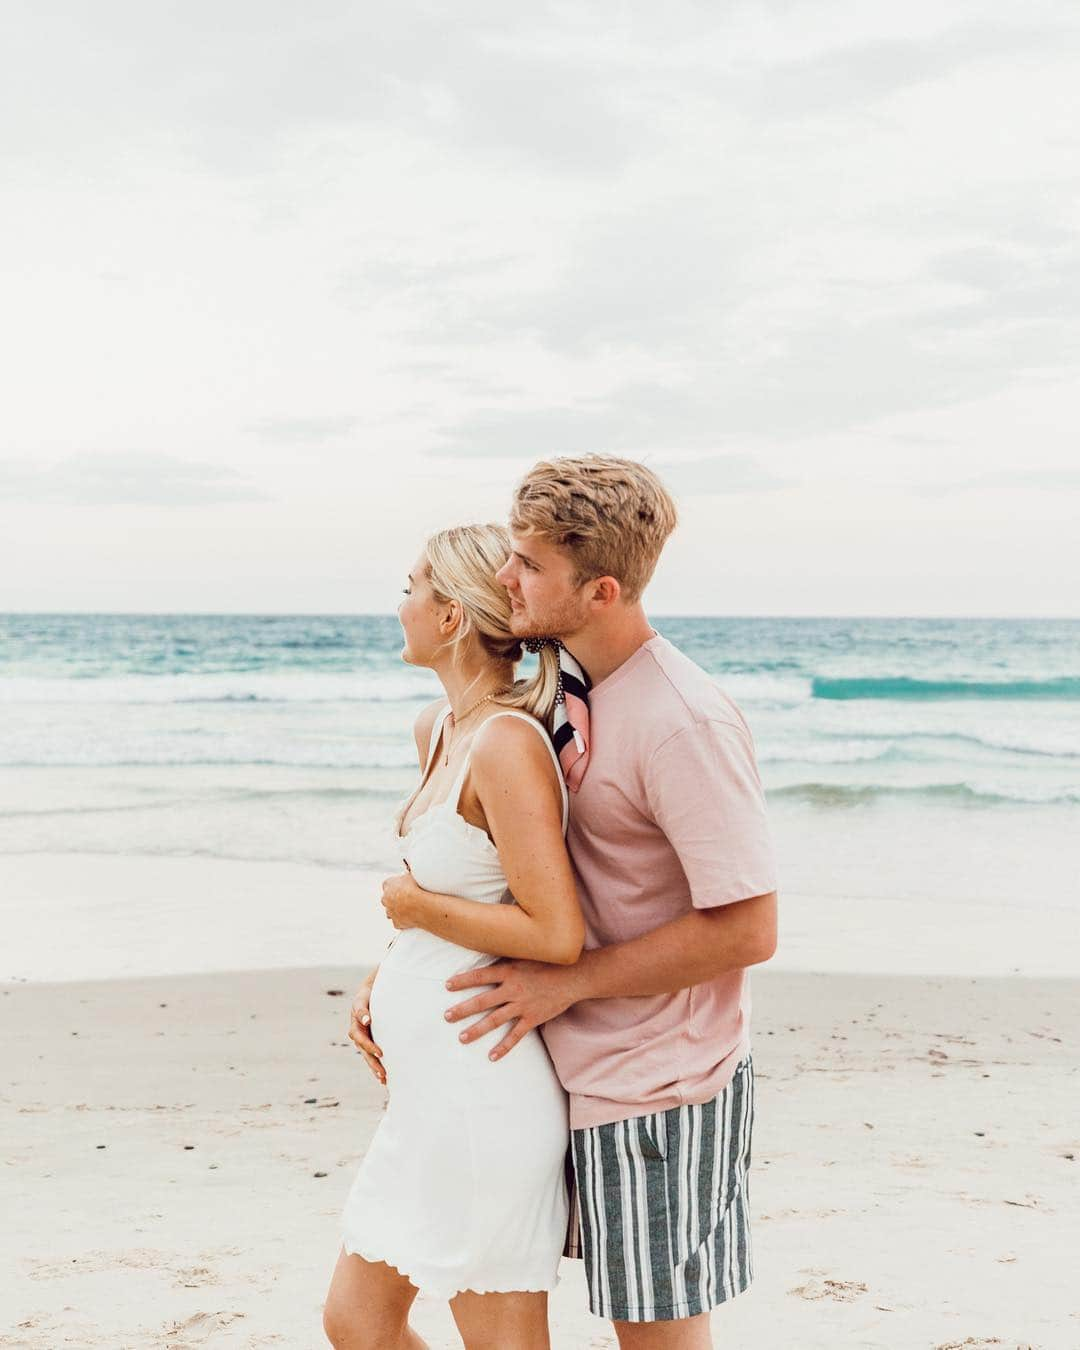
405,590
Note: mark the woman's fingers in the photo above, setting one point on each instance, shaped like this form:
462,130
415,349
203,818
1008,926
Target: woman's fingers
363,1042
360,1035
360,1031
376,1068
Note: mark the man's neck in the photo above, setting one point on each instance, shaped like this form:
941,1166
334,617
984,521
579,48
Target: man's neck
602,647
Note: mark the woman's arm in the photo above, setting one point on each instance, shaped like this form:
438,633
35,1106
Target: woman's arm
514,779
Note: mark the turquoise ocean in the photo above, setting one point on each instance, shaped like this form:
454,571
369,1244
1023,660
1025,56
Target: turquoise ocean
900,756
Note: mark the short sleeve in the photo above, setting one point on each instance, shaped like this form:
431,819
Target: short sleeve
704,791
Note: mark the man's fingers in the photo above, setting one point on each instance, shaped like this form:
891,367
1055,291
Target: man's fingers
477,1004
520,1027
488,1023
472,979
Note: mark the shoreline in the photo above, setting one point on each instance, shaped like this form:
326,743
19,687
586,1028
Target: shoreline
914,1153
119,916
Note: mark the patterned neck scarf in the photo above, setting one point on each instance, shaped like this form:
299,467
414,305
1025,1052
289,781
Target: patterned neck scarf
570,728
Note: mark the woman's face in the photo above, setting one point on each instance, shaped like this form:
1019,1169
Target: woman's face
424,620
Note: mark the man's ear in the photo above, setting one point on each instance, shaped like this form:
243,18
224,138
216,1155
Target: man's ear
605,591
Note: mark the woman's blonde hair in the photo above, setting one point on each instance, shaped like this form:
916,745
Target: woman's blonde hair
462,563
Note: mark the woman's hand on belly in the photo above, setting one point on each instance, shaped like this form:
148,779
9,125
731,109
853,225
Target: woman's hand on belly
360,1028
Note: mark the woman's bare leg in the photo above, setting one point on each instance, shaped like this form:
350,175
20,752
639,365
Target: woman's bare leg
367,1307
502,1321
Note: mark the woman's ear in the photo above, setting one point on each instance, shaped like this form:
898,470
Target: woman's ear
451,618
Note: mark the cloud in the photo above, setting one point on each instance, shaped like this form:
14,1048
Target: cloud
1039,480
642,421
303,430
631,419
720,474
236,94
124,479
863,73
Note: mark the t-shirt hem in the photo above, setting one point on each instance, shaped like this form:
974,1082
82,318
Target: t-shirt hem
588,1111
714,899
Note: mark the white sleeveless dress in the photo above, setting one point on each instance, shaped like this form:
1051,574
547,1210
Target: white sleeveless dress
462,1187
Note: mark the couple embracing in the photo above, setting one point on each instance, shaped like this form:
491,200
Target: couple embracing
587,860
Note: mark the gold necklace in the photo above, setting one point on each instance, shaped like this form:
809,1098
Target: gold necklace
456,721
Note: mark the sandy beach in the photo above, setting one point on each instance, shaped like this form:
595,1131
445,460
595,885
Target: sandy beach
177,1149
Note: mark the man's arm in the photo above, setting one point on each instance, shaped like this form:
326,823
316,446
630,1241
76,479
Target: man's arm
689,950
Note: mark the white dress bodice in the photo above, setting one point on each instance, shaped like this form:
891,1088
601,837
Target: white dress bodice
447,854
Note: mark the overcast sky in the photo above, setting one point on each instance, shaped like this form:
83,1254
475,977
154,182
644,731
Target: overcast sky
285,287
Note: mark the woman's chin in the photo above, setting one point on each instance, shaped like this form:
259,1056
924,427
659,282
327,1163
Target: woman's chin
411,659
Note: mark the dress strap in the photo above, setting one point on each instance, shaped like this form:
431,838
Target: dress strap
455,792
433,740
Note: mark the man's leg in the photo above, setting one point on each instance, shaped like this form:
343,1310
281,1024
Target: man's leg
689,1333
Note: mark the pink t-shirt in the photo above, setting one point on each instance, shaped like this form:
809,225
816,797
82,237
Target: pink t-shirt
670,816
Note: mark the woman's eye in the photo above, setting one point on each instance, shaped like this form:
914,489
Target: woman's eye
405,590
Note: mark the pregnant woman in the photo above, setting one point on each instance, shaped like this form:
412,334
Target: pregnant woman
462,1193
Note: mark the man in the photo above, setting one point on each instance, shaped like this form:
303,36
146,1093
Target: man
649,1031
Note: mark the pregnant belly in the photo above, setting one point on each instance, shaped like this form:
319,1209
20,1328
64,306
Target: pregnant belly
422,954
426,1062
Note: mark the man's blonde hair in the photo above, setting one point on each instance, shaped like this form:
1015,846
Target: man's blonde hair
613,516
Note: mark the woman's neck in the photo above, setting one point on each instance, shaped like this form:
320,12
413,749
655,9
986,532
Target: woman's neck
467,682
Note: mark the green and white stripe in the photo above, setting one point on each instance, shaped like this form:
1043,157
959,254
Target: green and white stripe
664,1207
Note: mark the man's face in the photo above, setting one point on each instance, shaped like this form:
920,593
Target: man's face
539,578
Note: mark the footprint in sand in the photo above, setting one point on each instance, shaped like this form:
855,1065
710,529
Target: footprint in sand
198,1329
974,1343
840,1291
193,1277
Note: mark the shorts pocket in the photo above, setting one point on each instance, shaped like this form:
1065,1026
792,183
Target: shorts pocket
651,1135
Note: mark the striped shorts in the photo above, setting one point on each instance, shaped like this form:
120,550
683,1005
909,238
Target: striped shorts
662,1214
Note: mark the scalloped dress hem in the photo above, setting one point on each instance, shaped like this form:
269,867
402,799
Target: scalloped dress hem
432,1287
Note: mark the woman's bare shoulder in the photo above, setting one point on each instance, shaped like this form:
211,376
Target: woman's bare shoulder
504,744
